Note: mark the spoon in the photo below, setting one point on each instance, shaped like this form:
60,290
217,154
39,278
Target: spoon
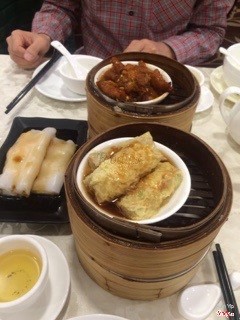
197,302
226,53
79,71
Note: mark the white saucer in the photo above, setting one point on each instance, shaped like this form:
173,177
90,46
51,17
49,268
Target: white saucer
51,84
206,100
55,295
98,317
217,82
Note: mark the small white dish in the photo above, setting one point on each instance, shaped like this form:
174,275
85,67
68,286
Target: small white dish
98,317
206,99
197,73
175,202
51,85
164,74
198,301
54,296
217,82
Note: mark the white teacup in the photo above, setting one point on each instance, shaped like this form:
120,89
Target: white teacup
232,117
25,262
231,70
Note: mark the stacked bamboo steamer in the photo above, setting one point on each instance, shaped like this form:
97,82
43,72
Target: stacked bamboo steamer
176,110
133,266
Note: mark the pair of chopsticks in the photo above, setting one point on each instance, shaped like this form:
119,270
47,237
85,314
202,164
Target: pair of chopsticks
56,55
226,287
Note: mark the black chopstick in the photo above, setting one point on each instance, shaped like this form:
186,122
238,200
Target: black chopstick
56,55
228,282
225,283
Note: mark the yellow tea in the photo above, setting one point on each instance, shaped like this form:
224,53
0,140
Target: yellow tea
19,271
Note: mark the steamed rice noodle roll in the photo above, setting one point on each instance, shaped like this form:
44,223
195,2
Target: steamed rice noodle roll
24,160
51,176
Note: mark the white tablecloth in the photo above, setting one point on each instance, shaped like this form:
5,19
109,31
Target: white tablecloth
86,297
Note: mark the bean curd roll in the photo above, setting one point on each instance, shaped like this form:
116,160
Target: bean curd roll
96,158
24,160
114,176
51,176
151,192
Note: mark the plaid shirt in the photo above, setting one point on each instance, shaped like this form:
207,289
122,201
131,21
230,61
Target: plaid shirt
193,29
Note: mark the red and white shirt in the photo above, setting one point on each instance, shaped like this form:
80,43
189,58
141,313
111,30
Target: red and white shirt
193,29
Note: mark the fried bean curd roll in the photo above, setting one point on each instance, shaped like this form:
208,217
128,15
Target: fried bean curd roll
24,160
96,158
51,176
114,176
151,192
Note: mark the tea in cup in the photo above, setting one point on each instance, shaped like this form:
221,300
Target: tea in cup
23,272
231,70
232,117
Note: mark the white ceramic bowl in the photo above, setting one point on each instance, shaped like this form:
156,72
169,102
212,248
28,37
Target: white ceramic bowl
68,77
25,242
231,71
173,205
197,74
165,75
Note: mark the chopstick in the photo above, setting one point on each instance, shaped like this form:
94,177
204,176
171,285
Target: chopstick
225,283
56,55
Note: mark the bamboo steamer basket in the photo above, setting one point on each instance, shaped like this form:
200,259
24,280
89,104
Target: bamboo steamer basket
142,269
176,110
213,172
132,288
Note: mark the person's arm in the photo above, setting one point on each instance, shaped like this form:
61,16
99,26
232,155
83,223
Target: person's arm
55,21
146,45
200,39
204,34
57,18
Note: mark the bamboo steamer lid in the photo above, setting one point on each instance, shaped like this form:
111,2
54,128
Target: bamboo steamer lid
176,110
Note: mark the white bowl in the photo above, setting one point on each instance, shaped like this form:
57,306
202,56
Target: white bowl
165,75
197,74
27,243
231,71
68,77
173,205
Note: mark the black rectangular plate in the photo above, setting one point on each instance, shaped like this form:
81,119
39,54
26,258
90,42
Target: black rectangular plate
39,208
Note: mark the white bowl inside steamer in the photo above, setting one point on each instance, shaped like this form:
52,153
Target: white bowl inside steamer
165,75
175,202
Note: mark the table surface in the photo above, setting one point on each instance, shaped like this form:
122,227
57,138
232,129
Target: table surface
86,297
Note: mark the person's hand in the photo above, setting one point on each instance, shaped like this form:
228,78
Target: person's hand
150,46
27,49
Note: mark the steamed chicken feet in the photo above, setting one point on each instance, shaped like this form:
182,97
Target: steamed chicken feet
132,82
112,90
